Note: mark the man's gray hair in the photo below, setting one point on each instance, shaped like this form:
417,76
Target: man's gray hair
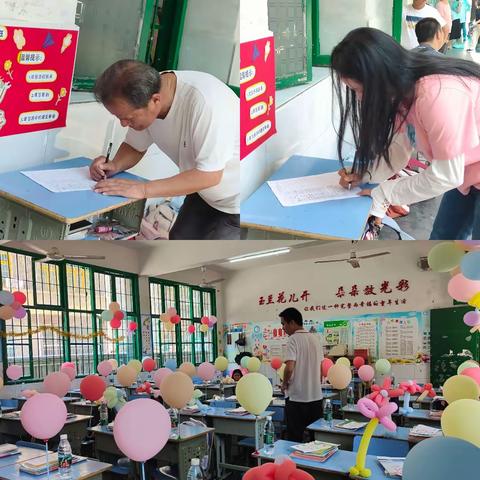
129,80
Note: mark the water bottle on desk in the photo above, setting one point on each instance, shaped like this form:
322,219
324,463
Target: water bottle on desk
173,412
103,410
64,458
328,413
350,397
195,472
269,436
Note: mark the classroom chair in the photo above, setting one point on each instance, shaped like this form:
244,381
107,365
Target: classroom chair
222,404
385,447
23,443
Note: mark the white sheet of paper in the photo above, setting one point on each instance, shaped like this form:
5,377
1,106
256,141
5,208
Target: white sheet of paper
63,179
311,189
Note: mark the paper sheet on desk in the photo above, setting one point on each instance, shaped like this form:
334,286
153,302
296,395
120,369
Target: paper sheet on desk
63,179
312,189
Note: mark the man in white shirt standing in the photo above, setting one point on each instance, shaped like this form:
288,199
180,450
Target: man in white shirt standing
412,14
302,376
194,119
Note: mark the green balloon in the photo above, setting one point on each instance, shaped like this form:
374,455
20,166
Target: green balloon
382,366
466,364
244,361
107,315
445,256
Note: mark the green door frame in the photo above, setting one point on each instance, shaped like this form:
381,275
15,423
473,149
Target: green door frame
323,60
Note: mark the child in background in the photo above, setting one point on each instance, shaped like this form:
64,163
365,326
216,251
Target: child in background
237,374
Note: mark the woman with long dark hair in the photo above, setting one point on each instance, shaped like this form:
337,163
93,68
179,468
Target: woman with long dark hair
397,100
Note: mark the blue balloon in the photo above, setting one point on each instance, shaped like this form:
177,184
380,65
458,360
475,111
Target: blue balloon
171,364
470,265
442,458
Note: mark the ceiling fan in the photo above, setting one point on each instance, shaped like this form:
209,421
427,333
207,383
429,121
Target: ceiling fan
54,255
354,260
204,282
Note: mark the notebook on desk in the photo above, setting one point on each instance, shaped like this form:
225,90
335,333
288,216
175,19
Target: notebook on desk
240,411
317,451
351,425
392,466
8,449
39,466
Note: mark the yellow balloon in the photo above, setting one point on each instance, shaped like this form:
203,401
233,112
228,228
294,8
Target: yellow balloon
114,364
339,376
253,364
343,361
466,364
281,371
164,318
136,365
188,369
254,393
204,328
126,375
461,420
460,387
177,389
221,364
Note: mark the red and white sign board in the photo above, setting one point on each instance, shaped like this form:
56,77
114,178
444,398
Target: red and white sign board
36,73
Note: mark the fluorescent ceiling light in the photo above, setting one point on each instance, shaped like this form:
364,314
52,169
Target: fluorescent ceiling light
253,256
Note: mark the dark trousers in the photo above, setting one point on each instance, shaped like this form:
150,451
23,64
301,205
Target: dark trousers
299,415
197,220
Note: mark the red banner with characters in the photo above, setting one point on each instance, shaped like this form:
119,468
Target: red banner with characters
36,72
257,93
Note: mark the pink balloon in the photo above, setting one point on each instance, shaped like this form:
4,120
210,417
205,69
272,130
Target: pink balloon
204,320
366,373
175,319
115,323
473,372
105,368
43,415
191,329
463,289
70,371
160,375
206,371
472,318
132,326
171,311
326,364
57,383
69,364
358,362
20,313
469,244
213,319
14,372
141,429
16,305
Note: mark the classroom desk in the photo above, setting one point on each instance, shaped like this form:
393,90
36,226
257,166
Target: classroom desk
12,430
422,417
177,451
352,413
29,211
25,454
76,394
214,389
322,431
82,407
414,403
335,468
338,219
22,400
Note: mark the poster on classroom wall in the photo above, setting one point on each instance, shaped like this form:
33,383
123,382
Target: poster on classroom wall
36,73
257,94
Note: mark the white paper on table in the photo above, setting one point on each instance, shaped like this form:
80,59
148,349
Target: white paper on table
63,179
311,189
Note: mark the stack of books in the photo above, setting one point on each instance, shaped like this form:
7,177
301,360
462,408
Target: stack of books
393,466
316,451
424,431
39,466
351,425
237,411
8,449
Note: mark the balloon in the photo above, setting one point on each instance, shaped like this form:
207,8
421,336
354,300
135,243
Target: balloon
69,364
160,374
43,415
244,361
141,429
149,364
459,387
253,364
126,375
132,326
188,369
171,312
204,320
276,363
57,383
107,316
177,389
16,306
382,366
92,387
339,376
14,372
115,323
443,458
358,362
468,244
206,371
6,298
213,319
461,420
19,297
466,364
114,364
204,328
6,312
283,468
472,318
366,373
175,319
164,318
119,315
20,313
114,307
221,364
472,373
470,265
136,365
445,256
70,372
105,368
326,364
462,289
343,361
171,364
254,393
191,329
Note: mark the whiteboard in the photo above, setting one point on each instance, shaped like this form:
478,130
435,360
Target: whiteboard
60,12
